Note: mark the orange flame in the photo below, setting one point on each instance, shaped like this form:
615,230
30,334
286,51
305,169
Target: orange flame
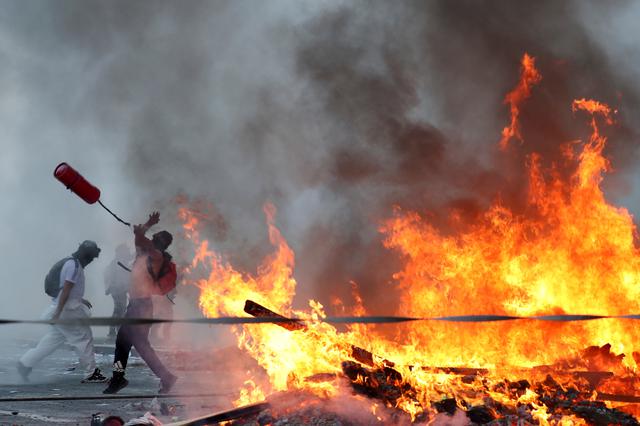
529,77
285,355
571,252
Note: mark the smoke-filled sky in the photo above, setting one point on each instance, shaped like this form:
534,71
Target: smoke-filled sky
333,110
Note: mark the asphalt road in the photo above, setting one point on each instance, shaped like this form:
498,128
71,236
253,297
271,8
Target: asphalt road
220,377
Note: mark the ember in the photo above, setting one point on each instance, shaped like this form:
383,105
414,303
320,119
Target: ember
569,252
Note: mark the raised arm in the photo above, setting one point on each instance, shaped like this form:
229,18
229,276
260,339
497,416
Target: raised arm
141,241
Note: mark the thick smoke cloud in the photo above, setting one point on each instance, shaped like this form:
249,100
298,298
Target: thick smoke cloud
333,111
416,92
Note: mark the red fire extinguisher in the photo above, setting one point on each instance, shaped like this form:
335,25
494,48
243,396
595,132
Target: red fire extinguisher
75,182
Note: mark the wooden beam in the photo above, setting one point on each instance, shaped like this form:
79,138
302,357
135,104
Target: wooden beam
223,416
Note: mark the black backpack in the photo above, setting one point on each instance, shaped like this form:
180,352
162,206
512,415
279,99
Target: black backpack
52,280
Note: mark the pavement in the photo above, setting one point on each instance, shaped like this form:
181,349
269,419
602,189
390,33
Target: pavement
217,373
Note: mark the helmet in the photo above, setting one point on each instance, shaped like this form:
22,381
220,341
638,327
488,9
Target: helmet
89,247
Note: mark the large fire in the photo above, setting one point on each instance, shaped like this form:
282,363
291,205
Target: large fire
570,252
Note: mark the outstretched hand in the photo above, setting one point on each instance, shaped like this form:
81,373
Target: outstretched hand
153,218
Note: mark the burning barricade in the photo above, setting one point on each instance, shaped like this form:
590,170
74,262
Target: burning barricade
568,251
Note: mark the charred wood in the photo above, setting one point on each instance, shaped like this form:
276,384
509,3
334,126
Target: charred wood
380,383
481,414
596,413
259,311
361,355
383,383
618,398
571,400
447,405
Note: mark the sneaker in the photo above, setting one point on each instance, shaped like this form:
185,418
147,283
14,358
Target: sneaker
167,384
95,377
117,383
24,371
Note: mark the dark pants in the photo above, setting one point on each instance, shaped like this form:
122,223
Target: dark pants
119,308
138,337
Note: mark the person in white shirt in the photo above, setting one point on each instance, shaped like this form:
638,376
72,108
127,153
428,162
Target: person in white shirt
69,304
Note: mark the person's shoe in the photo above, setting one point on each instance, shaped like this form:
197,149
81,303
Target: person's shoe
167,384
95,377
24,371
117,383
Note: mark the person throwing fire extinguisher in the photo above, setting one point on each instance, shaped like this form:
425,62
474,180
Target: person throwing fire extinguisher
153,273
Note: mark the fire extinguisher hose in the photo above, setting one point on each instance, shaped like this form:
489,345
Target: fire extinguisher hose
113,214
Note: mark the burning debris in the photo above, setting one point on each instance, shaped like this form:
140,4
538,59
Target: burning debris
573,398
302,408
567,251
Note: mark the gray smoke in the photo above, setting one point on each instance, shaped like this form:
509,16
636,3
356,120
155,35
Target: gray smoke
334,111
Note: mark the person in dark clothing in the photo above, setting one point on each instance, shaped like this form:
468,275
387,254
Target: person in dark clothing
151,260
116,283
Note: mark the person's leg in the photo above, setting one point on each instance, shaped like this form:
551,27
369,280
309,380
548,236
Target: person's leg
49,343
146,352
167,326
157,311
120,304
80,338
113,328
119,309
120,358
123,346
124,340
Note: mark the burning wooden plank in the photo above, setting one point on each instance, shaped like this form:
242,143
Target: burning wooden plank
359,354
259,311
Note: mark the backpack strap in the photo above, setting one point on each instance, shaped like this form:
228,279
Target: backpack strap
75,261
164,268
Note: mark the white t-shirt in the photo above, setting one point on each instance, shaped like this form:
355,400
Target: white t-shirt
116,278
74,275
